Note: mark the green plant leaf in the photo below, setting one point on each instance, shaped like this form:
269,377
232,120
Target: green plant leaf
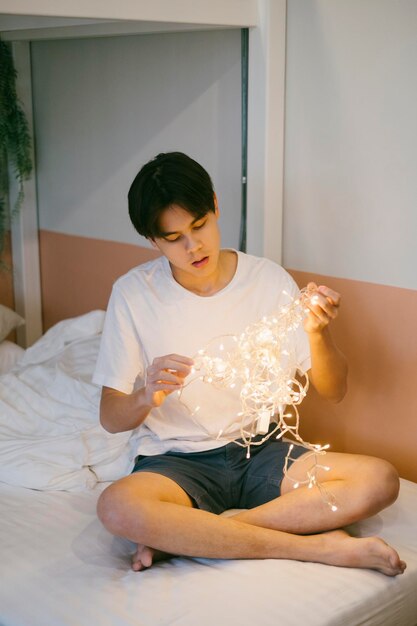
15,141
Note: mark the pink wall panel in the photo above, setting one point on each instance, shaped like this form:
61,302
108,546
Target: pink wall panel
78,272
6,280
376,330
6,276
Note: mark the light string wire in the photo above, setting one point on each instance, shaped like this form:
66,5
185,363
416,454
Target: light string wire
263,361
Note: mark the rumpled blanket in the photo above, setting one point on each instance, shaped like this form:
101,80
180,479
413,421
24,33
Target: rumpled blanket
50,435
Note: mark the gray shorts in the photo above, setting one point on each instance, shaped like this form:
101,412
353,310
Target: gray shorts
224,478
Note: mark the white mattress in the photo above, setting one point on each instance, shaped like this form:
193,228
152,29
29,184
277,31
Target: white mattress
59,567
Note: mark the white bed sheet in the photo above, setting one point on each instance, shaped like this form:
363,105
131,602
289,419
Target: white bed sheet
60,567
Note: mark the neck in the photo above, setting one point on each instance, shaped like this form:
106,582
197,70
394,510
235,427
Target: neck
216,281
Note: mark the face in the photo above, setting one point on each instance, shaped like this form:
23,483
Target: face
191,245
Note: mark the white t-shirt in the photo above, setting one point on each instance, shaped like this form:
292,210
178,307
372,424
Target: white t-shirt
151,315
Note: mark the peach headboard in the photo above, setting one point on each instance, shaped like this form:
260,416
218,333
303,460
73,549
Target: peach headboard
6,280
6,276
375,329
78,272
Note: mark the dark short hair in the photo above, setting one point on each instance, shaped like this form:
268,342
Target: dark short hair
171,178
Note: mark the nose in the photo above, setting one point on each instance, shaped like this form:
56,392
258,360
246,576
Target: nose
192,243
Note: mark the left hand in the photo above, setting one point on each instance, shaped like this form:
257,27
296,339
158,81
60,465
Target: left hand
323,308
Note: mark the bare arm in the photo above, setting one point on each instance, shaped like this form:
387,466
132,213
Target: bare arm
120,412
328,364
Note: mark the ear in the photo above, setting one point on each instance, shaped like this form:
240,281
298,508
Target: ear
216,206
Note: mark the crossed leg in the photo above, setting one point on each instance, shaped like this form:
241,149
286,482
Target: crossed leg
360,485
159,516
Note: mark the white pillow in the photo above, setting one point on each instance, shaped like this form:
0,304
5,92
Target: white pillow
9,320
10,353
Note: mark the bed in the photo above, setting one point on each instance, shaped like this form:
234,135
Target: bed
60,567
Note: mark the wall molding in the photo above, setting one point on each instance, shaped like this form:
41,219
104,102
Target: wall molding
24,230
266,103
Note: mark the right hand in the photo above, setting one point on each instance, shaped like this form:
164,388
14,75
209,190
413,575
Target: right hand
165,375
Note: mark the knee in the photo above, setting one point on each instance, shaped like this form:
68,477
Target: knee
109,509
119,512
391,483
384,484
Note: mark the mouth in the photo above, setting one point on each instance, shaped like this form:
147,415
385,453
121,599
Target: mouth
201,262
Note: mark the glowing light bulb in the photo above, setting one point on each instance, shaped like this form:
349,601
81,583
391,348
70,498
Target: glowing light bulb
263,360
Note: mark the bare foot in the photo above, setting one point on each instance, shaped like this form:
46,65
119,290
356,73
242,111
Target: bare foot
144,557
341,549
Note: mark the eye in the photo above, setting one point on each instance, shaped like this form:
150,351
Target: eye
197,226
172,239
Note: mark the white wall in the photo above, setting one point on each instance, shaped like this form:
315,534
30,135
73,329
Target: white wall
103,107
350,203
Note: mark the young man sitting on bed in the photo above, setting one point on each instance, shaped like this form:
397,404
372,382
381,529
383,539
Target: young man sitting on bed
159,315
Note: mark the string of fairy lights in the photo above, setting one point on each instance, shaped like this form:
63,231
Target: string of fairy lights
262,362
